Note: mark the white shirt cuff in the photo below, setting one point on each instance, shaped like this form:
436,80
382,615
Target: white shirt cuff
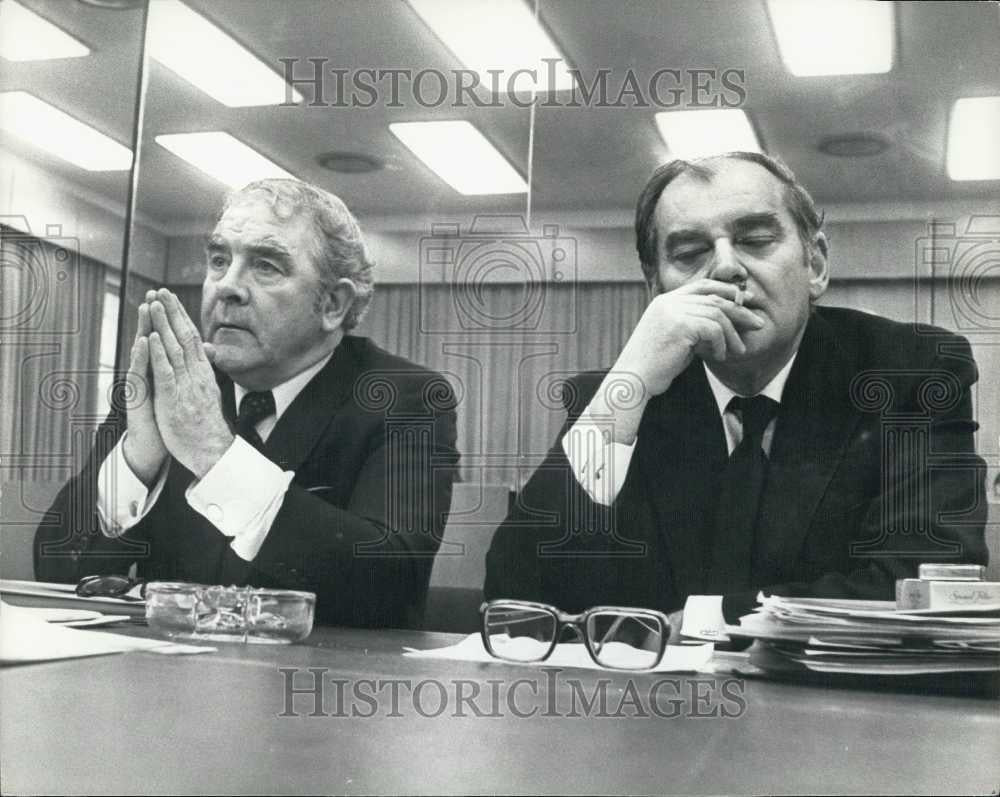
241,496
122,498
703,618
599,464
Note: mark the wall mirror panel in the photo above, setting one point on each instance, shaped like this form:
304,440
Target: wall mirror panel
69,85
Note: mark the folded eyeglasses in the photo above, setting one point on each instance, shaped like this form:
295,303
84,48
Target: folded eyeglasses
617,637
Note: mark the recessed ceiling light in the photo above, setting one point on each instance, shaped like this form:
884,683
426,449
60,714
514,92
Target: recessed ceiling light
853,145
198,51
834,37
461,156
973,133
46,127
498,35
699,134
349,162
25,36
222,157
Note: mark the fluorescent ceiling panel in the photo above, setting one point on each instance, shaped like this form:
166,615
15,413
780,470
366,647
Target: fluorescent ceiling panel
208,58
497,34
974,139
461,156
834,37
25,36
222,157
46,127
699,134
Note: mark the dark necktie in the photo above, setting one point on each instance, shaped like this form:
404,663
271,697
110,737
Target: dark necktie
729,564
254,408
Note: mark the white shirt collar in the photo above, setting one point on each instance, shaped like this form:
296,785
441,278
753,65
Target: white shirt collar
773,389
285,393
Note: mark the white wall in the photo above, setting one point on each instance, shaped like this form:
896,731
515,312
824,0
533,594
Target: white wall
48,204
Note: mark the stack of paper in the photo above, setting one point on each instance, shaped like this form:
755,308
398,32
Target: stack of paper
869,637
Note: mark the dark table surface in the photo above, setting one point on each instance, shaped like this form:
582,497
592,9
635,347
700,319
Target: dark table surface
227,723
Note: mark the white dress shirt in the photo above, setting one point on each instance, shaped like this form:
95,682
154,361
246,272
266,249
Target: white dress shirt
600,466
240,495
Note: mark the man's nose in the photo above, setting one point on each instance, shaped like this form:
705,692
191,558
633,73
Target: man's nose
726,266
232,285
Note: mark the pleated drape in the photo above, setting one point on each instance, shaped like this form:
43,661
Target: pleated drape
506,349
51,299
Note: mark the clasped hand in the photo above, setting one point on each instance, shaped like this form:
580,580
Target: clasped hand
177,407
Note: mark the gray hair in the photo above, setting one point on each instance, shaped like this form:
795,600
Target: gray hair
340,248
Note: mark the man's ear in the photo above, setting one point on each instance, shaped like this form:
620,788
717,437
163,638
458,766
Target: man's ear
819,266
336,302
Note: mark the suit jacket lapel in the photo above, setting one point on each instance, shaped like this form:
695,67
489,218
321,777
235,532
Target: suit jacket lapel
300,427
681,453
814,424
228,398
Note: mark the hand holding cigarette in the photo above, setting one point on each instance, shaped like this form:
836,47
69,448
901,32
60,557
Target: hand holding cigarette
740,292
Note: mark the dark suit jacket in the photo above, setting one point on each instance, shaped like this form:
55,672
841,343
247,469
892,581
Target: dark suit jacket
872,470
371,440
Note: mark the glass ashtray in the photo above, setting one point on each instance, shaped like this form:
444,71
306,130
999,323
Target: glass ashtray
229,614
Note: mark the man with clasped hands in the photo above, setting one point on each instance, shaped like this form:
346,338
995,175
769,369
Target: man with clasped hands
278,451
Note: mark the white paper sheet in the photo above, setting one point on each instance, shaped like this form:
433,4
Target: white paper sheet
677,658
25,638
75,618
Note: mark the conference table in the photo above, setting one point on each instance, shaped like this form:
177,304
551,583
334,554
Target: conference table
321,717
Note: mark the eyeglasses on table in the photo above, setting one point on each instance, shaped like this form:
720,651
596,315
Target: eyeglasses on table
617,637
111,586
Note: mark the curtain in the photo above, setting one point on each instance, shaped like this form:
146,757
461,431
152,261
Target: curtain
51,299
507,350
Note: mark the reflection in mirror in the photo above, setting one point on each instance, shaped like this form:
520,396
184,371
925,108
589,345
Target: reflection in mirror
380,104
69,74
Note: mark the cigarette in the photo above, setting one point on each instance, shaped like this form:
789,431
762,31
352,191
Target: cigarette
741,288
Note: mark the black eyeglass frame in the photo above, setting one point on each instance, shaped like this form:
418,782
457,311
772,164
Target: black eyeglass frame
110,586
578,622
